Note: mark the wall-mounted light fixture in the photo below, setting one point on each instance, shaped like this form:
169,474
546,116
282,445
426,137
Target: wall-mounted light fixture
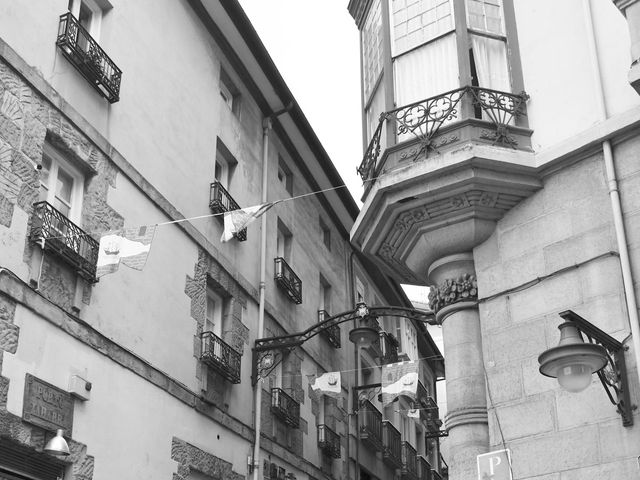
573,362
57,445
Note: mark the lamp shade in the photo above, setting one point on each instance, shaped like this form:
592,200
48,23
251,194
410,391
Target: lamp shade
57,445
363,336
572,362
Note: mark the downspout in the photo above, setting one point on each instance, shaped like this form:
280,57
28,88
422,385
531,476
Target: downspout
614,194
266,126
350,396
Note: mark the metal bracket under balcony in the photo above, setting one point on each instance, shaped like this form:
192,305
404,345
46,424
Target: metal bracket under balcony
88,58
285,407
370,420
409,469
221,356
221,201
328,441
424,468
331,333
391,441
287,280
57,234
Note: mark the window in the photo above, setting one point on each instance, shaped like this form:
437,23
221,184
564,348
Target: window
225,165
89,14
359,290
215,311
229,93
419,23
283,242
60,184
284,175
326,235
325,295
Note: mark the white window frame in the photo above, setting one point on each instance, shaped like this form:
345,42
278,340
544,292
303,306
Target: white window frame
285,177
97,10
213,320
58,163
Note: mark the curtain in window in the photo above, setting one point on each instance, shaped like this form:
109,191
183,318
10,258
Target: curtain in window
490,57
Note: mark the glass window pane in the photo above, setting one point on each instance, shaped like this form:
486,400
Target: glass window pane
64,185
85,16
62,207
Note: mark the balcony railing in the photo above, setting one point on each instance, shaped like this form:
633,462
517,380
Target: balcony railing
435,475
220,356
421,121
221,201
370,425
58,234
389,348
287,280
409,469
88,58
391,445
285,407
332,333
329,441
424,468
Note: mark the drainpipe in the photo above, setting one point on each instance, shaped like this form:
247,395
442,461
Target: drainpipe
266,126
614,194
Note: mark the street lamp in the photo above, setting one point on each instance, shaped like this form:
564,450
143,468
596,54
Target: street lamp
573,362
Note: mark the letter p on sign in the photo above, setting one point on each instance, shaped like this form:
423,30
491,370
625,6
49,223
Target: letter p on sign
495,465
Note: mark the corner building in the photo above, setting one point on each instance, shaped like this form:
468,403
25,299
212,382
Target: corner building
501,168
119,114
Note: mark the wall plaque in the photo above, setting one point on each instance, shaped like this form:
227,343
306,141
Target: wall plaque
47,406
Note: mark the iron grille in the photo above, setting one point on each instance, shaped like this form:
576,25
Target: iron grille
389,346
56,233
285,407
409,467
221,356
370,425
88,57
331,333
329,441
391,445
288,281
221,201
422,120
424,468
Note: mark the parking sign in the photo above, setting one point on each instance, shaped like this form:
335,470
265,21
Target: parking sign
495,465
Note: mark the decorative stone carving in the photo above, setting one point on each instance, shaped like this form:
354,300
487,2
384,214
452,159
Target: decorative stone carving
191,458
461,289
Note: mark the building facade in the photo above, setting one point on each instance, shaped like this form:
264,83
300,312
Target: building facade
151,117
500,168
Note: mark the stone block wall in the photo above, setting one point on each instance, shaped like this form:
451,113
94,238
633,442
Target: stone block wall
556,251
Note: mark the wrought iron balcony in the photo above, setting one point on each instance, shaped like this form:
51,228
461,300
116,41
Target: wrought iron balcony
332,333
432,414
221,356
329,441
287,280
429,124
221,201
56,233
389,348
88,58
424,468
391,445
370,425
435,475
285,407
409,468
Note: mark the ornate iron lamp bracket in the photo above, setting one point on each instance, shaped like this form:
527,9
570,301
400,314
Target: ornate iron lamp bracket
614,375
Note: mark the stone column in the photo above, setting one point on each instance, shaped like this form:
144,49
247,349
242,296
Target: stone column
631,10
456,306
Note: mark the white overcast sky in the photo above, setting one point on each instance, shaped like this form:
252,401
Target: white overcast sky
314,44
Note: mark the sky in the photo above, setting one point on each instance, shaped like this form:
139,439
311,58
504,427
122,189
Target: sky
314,44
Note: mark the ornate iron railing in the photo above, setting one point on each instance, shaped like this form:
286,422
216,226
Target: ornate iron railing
331,333
221,201
432,413
285,407
88,57
409,467
221,356
329,441
391,445
389,347
287,280
56,233
422,120
370,425
424,468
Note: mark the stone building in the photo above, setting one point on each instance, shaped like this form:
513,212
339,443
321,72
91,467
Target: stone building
501,167
118,114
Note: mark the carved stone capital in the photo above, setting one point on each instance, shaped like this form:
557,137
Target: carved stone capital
461,289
